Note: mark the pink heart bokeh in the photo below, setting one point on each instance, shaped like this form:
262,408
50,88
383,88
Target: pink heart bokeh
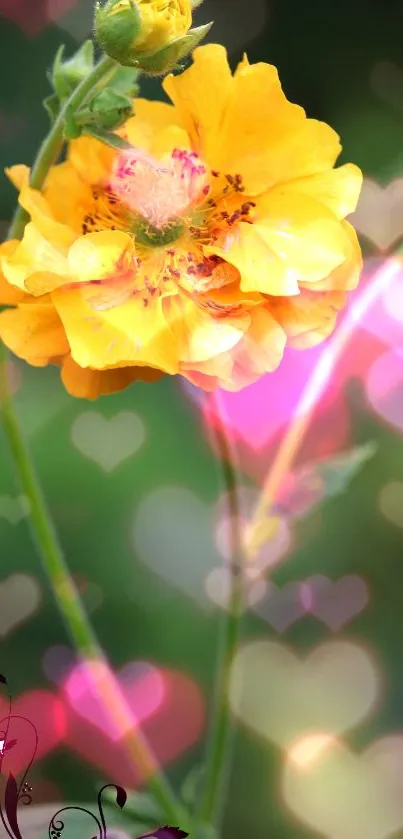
41,709
163,705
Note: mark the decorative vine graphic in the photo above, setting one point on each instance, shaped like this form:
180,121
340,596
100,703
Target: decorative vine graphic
19,792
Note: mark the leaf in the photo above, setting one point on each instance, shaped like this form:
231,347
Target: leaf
107,137
125,81
3,679
191,784
66,75
52,106
311,485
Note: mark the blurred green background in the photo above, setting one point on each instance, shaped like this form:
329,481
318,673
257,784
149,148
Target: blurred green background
328,55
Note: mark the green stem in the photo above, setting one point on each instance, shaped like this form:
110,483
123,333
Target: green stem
220,740
66,594
53,142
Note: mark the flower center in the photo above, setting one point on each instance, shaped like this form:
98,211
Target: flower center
159,194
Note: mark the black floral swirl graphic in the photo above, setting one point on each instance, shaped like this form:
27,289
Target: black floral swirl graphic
16,793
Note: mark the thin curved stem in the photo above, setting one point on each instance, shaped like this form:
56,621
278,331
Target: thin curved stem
220,739
70,606
66,594
53,142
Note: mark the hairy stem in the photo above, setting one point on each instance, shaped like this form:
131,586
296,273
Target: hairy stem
53,142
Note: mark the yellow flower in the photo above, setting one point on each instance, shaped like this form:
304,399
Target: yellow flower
161,22
217,240
151,34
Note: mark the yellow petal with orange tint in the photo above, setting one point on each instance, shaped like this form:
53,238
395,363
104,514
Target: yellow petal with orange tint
98,256
261,269
67,195
155,128
346,276
9,295
127,334
338,189
262,347
267,139
33,330
200,335
258,352
18,175
34,254
90,384
91,159
307,238
309,318
41,214
201,96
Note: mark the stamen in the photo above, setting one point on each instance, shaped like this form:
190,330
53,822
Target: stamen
159,193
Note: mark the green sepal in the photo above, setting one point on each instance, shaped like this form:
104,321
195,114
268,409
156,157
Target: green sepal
195,3
166,59
71,127
125,81
52,107
107,137
116,32
111,108
66,75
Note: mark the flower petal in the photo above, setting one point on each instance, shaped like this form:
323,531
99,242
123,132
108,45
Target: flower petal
67,195
18,175
155,129
131,333
309,318
201,96
98,256
33,330
346,276
200,335
338,189
92,159
34,254
267,139
260,351
9,295
90,384
261,269
41,214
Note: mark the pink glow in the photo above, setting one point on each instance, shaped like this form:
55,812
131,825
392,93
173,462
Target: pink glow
95,693
314,380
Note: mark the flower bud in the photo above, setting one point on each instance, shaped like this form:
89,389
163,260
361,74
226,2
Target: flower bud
129,29
166,59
